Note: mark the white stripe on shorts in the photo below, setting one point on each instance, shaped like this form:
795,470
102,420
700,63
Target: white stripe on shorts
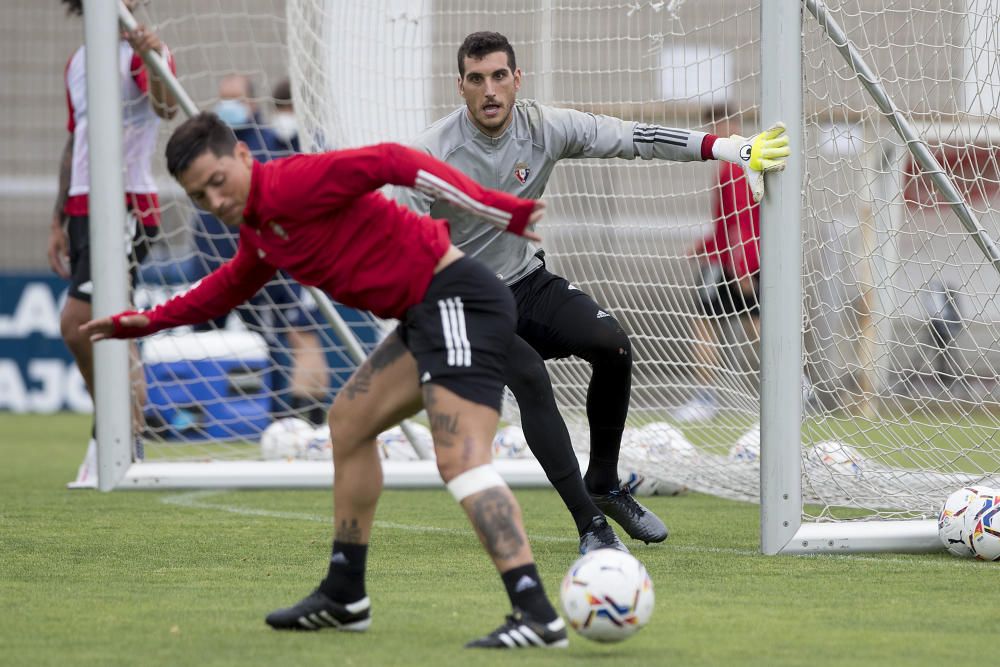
456,338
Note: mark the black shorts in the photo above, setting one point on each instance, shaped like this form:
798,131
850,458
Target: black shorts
461,331
719,293
78,230
559,320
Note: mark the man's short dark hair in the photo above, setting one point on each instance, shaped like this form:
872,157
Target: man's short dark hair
282,93
478,45
74,7
204,132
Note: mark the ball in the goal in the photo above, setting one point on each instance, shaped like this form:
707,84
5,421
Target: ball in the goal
285,438
607,595
747,448
510,443
951,520
648,452
393,445
836,457
319,447
982,525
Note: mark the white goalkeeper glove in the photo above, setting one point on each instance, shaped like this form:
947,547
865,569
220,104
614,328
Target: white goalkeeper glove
760,154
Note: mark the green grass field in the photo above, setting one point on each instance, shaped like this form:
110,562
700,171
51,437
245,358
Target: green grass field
185,578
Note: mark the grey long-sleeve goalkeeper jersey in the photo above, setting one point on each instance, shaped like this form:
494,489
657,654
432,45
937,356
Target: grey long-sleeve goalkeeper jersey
520,162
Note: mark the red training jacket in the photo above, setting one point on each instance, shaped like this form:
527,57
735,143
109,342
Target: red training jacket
321,219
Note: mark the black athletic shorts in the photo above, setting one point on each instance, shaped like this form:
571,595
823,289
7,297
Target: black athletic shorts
78,230
558,319
461,331
719,293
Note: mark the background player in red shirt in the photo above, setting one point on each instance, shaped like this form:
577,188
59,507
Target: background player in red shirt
145,100
321,219
730,272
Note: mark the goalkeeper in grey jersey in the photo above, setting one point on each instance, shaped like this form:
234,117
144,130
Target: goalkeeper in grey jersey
513,146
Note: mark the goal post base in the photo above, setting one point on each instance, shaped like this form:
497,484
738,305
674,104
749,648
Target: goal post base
918,536
519,473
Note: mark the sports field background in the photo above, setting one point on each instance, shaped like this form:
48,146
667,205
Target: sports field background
186,578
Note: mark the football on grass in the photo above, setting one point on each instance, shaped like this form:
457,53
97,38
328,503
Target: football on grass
951,520
982,525
285,438
607,595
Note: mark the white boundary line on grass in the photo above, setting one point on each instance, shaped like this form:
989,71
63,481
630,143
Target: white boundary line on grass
198,500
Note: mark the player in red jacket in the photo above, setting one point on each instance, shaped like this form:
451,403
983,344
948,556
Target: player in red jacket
322,220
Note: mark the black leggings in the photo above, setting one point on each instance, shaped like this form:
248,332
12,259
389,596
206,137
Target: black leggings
557,320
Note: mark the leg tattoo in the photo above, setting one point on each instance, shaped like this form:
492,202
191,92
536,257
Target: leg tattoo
493,515
385,354
348,532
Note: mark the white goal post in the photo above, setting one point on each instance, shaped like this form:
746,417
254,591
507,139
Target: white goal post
872,389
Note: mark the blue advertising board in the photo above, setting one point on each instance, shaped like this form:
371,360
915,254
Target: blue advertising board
37,372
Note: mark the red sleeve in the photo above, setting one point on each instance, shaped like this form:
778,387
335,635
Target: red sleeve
311,184
213,296
141,75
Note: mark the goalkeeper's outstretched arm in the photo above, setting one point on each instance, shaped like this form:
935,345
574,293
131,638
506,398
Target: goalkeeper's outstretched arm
758,155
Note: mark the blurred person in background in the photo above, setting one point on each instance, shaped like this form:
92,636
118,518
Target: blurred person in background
729,259
282,312
145,100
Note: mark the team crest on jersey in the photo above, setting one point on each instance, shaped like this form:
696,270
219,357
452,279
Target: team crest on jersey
521,172
278,230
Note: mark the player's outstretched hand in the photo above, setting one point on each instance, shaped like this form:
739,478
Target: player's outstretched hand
760,154
537,214
105,327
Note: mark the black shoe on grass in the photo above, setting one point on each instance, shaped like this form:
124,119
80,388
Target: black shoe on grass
600,535
638,522
521,631
317,611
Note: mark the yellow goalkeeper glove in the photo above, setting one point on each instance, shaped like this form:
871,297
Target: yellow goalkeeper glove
760,154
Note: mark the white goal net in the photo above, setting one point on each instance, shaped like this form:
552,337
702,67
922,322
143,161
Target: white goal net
900,318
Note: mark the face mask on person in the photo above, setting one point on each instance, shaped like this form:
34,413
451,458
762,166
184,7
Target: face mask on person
232,112
285,126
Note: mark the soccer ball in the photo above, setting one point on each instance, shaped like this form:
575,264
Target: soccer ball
319,447
639,484
654,446
607,595
510,443
747,448
951,520
982,525
836,457
393,444
285,438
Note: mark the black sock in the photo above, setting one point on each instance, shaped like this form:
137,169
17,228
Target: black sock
345,582
579,503
546,432
525,591
602,470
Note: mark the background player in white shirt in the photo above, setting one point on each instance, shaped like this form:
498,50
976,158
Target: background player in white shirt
145,100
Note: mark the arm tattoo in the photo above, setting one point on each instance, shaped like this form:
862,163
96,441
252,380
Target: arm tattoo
493,516
65,171
350,533
384,355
